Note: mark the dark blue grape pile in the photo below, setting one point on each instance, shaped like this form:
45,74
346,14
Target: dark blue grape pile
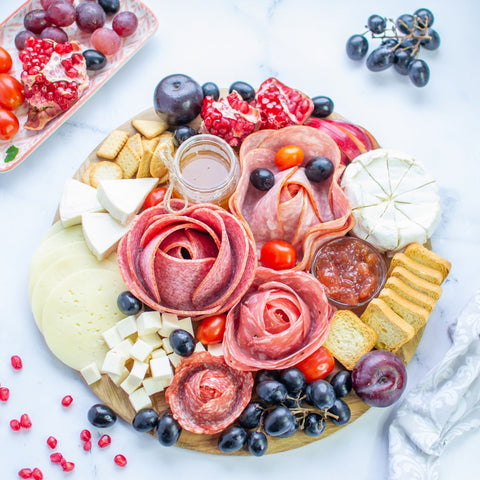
400,44
285,403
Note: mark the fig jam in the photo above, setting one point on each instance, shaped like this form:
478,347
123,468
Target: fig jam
351,271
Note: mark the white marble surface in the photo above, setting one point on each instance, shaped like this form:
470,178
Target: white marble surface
302,43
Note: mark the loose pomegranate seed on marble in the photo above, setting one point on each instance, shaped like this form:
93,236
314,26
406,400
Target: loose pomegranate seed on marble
120,460
85,435
68,466
25,421
67,400
87,446
37,474
16,361
25,473
15,425
4,394
104,441
56,457
52,442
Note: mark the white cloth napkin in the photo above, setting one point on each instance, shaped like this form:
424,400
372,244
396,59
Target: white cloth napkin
443,406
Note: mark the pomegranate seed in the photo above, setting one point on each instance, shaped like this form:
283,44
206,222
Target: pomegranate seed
25,473
67,63
15,425
16,362
85,435
87,446
52,442
37,474
56,457
120,460
104,441
25,421
4,394
71,72
67,400
68,466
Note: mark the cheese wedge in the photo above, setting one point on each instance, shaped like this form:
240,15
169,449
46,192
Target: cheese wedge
124,198
394,199
77,198
102,233
76,313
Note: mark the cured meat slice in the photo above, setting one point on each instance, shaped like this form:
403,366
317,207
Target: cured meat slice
199,262
283,318
206,395
295,209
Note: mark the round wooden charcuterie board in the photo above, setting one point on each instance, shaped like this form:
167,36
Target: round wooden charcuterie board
117,399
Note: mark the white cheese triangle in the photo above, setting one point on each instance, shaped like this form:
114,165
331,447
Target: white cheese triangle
102,233
124,198
77,198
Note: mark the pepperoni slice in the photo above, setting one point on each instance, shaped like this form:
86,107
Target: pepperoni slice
199,262
206,395
283,318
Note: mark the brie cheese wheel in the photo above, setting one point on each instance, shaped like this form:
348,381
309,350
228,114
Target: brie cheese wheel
394,200
77,311
77,198
124,198
102,233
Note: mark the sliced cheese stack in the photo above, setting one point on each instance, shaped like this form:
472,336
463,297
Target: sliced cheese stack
408,297
394,199
73,296
141,359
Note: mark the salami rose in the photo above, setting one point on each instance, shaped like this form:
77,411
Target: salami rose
200,261
283,318
304,213
206,395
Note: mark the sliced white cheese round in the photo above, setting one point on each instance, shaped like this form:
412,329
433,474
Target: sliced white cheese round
394,200
77,311
56,272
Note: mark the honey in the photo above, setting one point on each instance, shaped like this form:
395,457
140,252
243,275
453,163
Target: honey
205,170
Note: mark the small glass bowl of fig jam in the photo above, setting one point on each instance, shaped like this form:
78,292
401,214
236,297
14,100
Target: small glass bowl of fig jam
351,270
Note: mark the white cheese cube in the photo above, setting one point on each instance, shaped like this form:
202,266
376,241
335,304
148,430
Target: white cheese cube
77,198
154,385
216,349
186,324
199,347
141,350
127,326
128,387
137,373
140,399
112,337
102,233
118,379
91,373
113,363
124,198
154,340
167,346
160,367
148,323
169,324
158,352
124,348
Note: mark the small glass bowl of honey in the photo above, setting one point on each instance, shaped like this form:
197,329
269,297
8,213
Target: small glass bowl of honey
206,170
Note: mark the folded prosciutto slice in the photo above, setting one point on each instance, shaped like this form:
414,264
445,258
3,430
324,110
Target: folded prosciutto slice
206,395
282,319
297,210
197,262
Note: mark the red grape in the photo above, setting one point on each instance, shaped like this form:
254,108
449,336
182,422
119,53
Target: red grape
106,41
47,3
125,23
55,33
21,37
36,21
90,16
61,13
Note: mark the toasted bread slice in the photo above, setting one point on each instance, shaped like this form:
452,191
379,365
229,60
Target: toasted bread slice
349,338
423,255
413,314
392,330
410,294
419,269
419,284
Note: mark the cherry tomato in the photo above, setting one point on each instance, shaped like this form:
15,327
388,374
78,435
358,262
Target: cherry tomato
11,92
154,197
278,255
288,157
318,365
211,329
5,61
8,124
